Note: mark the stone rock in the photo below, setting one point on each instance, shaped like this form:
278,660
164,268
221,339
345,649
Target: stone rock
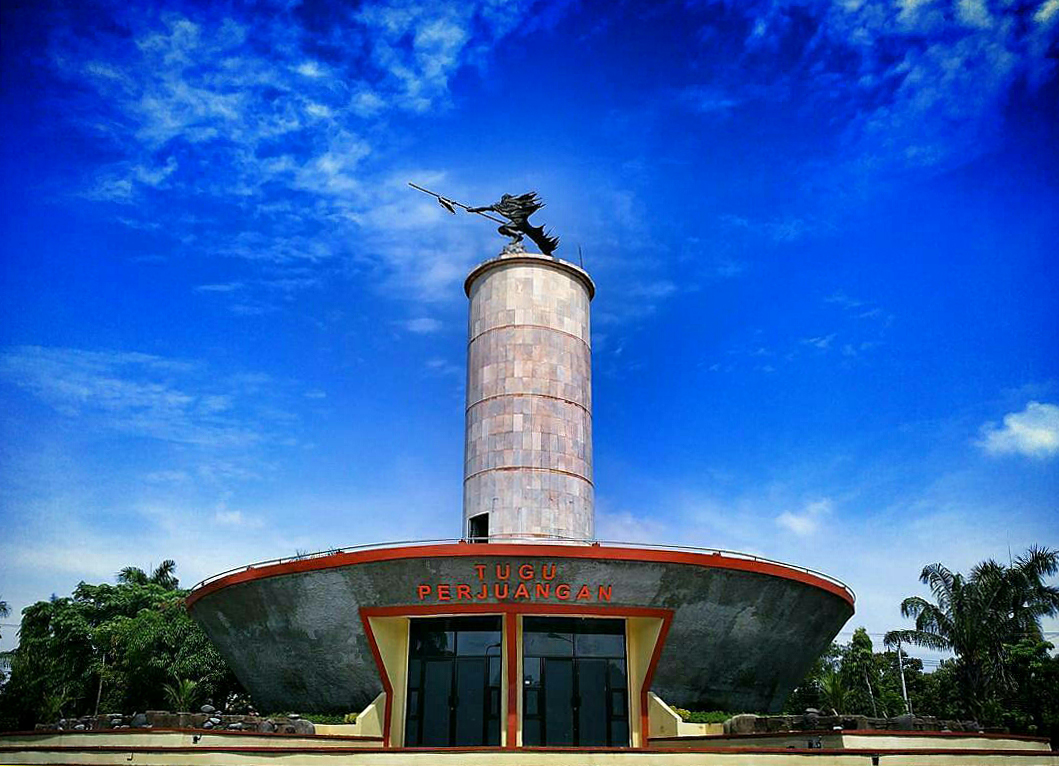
190,720
266,726
903,722
776,723
165,720
855,722
207,725
294,716
207,709
215,720
79,727
139,721
740,724
235,726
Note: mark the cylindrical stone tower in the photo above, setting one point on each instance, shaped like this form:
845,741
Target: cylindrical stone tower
528,457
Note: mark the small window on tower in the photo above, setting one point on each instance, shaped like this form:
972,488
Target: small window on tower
479,528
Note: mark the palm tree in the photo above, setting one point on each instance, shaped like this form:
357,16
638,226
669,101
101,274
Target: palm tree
975,617
181,694
4,610
163,575
833,691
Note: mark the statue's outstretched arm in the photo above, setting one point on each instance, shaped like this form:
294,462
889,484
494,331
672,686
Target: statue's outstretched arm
487,209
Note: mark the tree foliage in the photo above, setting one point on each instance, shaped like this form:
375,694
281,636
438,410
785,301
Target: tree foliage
1003,672
121,643
979,617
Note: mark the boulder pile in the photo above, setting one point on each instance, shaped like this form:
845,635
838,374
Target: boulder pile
814,720
208,718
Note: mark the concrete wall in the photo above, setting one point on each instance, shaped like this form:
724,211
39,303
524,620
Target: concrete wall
738,640
528,452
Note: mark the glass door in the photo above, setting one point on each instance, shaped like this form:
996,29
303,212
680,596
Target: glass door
453,682
575,690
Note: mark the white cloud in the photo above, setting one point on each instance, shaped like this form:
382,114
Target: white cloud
225,287
1047,12
440,366
1034,432
808,520
232,92
230,518
143,395
822,342
422,325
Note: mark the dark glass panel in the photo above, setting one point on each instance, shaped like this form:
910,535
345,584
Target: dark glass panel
531,732
433,643
592,695
599,644
478,643
470,702
529,704
617,674
619,705
531,671
494,702
495,666
413,702
548,644
414,671
619,733
558,701
492,732
411,732
437,693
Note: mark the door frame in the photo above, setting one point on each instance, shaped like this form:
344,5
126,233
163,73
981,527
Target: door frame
392,660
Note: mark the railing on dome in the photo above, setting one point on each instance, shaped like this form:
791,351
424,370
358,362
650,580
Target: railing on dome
523,538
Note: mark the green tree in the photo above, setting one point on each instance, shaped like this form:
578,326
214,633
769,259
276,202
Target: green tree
834,694
860,675
977,616
121,643
181,694
162,575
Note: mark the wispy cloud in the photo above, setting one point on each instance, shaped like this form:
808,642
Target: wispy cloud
439,366
137,394
820,342
1033,432
288,109
422,325
808,520
907,87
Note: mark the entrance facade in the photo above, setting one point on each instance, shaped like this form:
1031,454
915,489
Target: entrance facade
454,682
574,682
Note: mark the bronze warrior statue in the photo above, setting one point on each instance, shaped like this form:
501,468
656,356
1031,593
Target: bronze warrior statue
517,211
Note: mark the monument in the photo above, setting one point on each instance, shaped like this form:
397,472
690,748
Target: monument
526,630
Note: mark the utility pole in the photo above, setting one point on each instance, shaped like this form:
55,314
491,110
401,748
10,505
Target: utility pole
901,670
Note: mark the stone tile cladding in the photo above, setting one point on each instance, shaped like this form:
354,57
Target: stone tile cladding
528,457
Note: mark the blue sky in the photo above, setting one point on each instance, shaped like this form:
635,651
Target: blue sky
824,238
